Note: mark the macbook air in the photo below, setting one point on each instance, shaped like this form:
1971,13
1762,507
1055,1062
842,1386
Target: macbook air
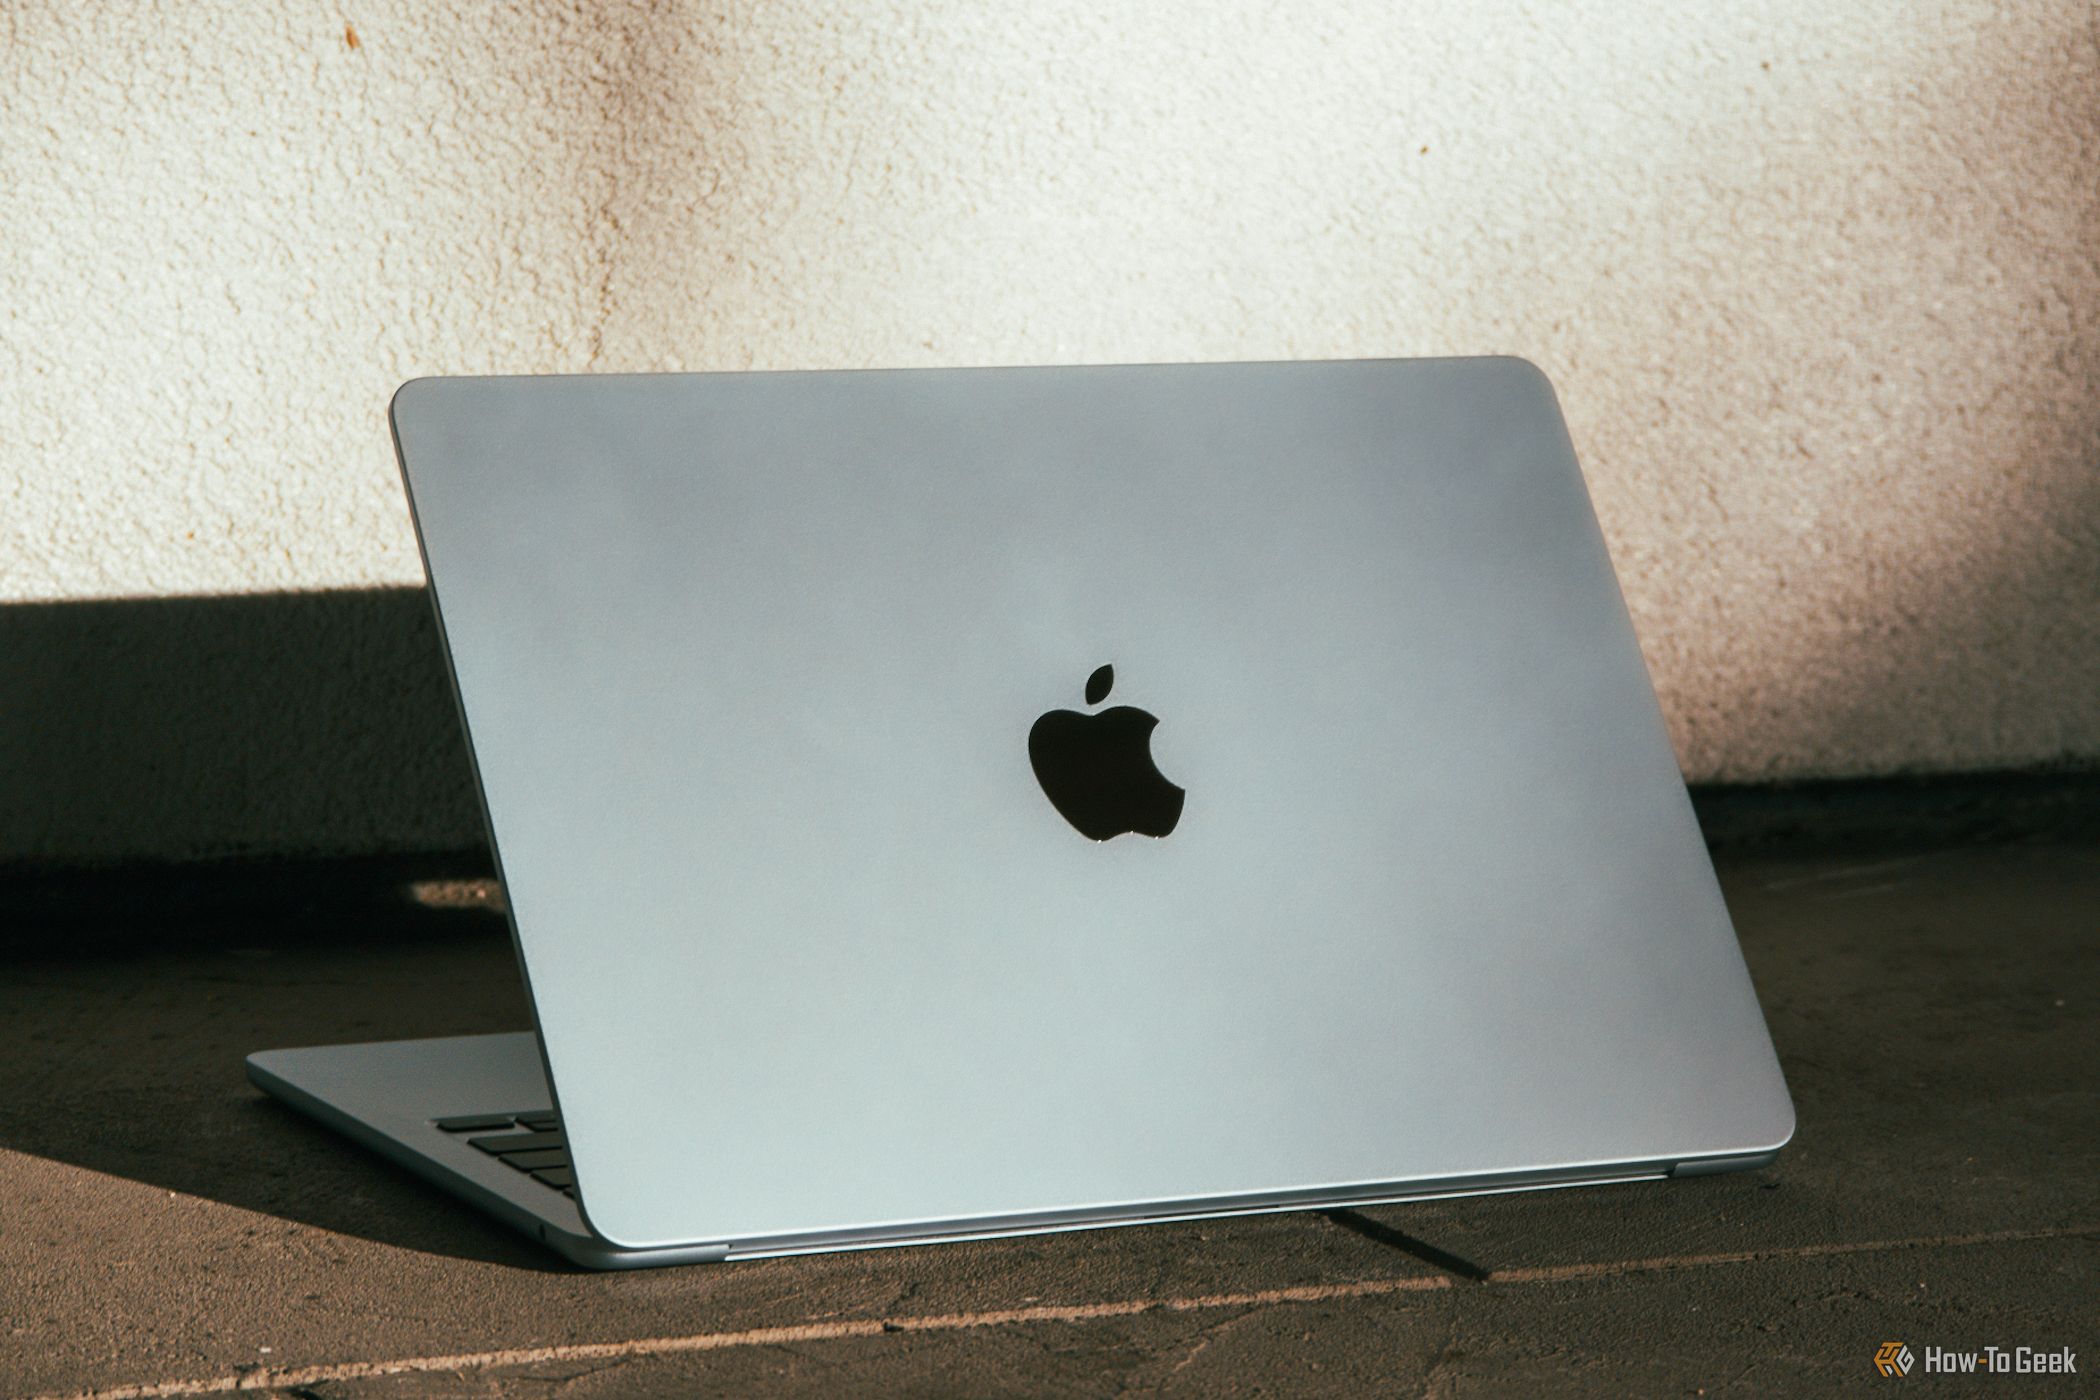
935,804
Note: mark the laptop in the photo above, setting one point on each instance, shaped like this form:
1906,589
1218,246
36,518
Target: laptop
937,804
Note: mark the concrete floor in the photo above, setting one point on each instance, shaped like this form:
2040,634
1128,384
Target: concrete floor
164,1230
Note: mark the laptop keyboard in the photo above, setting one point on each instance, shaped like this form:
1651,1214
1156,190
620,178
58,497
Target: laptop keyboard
528,1142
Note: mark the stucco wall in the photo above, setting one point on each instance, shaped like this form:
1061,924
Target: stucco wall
1819,284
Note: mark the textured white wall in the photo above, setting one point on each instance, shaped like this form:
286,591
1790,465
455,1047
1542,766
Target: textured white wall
1820,286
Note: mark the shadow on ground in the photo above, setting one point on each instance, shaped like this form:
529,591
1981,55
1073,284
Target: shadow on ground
127,1059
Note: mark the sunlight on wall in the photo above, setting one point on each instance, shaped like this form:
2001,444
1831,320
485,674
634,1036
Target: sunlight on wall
1818,283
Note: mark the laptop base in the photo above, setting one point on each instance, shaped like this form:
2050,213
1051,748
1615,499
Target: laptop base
391,1096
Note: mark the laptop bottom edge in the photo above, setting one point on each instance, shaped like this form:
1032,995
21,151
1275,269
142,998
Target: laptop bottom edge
390,1097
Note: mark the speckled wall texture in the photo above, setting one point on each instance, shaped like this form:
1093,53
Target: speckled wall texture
1819,284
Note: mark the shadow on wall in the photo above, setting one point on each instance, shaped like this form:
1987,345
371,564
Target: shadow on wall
292,724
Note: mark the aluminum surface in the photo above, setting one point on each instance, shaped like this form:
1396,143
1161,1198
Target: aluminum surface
748,665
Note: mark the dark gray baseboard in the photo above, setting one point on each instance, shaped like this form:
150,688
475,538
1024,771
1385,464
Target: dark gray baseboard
140,730
2056,804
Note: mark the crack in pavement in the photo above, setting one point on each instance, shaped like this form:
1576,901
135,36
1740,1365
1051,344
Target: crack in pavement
271,1378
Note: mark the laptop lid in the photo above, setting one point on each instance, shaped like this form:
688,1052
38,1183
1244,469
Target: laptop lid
755,669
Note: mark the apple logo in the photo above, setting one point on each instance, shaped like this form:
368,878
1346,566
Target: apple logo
1097,770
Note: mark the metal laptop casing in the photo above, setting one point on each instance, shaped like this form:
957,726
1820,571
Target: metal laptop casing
748,664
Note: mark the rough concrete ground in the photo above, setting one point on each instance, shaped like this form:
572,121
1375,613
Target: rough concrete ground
164,1230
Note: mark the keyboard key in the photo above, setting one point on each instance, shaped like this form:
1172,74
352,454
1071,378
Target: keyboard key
518,1142
540,1122
476,1122
556,1176
535,1161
